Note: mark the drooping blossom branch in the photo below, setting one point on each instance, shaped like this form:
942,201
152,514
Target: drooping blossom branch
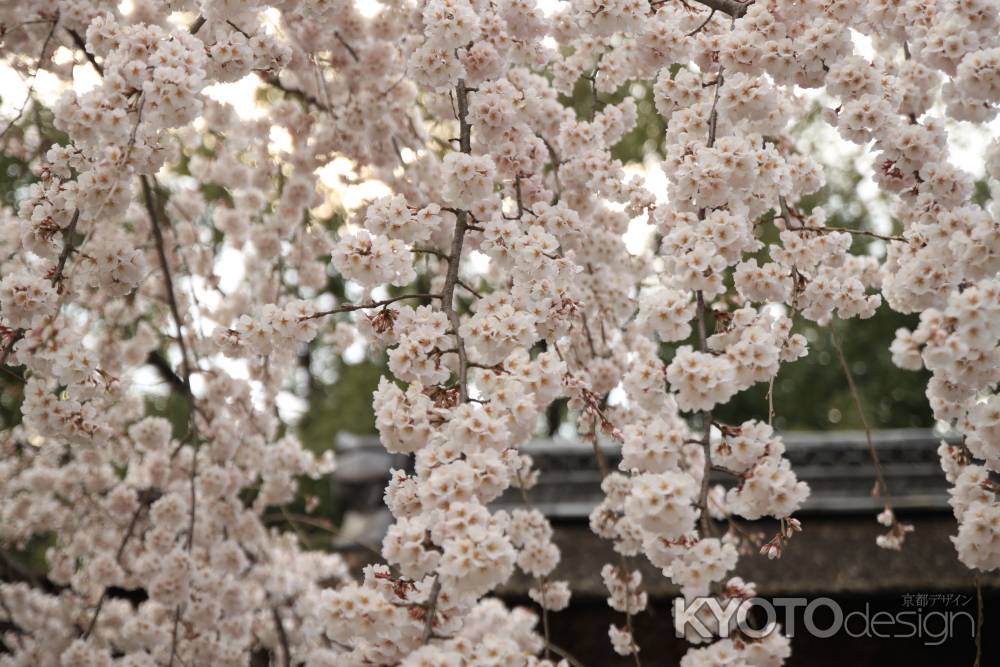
493,279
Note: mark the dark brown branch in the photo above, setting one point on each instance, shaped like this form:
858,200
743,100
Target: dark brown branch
848,230
350,307
118,558
273,80
431,251
239,29
469,289
197,25
173,636
733,8
448,306
286,652
702,26
17,631
517,193
706,435
157,361
81,44
186,368
457,241
593,92
193,490
431,610
161,253
67,250
56,278
788,214
350,49
554,161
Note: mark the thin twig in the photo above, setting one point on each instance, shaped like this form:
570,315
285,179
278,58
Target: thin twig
702,26
469,289
81,44
431,251
623,568
67,250
788,214
343,42
154,217
706,435
430,610
152,211
173,636
34,78
55,279
351,307
10,620
593,91
848,230
876,463
564,654
286,652
133,522
555,162
273,80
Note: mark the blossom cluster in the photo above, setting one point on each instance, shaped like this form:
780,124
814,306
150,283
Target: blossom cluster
491,275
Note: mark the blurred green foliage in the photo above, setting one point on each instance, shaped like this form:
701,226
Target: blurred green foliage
344,405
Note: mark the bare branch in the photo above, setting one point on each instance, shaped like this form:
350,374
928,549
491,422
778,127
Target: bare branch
34,76
788,214
704,23
455,256
133,522
876,462
56,278
848,230
81,44
343,42
67,234
152,211
273,80
430,610
706,417
286,652
733,8
196,26
350,307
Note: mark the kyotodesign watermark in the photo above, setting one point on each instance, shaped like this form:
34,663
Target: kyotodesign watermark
709,617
